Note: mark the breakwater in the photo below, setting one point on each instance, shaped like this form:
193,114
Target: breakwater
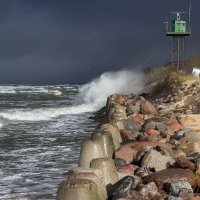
136,153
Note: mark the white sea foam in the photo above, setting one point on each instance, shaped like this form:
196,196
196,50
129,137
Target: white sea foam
124,81
1,125
45,113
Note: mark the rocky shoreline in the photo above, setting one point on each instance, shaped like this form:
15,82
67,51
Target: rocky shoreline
141,150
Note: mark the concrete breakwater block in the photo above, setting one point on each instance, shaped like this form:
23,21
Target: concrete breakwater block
110,101
114,132
77,189
116,112
89,150
105,140
95,175
109,170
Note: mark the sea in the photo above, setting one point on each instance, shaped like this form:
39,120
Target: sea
42,128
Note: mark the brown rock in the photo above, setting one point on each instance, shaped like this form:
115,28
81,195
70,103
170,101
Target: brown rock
183,162
148,108
152,131
172,174
186,120
195,198
128,169
126,135
174,124
121,99
179,153
189,145
148,138
149,191
128,152
137,118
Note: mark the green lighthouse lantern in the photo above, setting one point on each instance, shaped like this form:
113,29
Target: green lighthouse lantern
178,30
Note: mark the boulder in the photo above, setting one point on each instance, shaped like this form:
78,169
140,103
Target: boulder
189,145
128,169
157,161
174,124
169,175
183,162
132,125
149,191
129,152
123,188
148,108
119,162
121,99
152,131
137,118
179,188
127,135
126,153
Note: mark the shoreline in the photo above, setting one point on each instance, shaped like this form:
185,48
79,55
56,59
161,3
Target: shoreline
139,151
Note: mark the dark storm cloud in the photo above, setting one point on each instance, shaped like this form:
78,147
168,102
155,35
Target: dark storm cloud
48,41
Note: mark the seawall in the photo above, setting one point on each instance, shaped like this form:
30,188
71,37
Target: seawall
136,153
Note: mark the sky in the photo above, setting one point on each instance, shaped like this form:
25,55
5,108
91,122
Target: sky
74,41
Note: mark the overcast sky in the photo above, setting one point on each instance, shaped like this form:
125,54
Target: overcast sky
74,41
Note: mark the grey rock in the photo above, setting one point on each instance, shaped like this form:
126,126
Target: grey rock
178,135
177,187
119,162
124,187
161,127
154,159
131,125
149,125
148,191
170,197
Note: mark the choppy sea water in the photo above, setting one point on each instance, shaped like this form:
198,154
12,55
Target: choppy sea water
41,129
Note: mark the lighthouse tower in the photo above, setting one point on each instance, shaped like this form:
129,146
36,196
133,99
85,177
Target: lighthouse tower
178,30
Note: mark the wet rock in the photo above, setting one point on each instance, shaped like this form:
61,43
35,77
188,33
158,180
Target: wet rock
183,162
119,162
169,175
123,188
179,188
132,125
148,108
128,169
149,191
157,161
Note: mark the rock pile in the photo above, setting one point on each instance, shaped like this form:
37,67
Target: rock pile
150,156
185,97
